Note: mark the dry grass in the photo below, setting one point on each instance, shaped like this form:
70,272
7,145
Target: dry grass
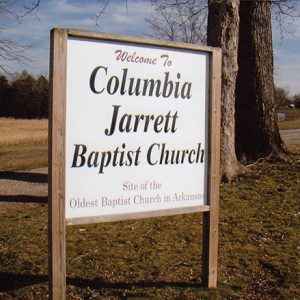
160,258
294,124
292,120
23,144
20,132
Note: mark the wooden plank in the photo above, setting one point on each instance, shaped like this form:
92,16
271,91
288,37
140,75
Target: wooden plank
56,211
137,40
139,215
210,219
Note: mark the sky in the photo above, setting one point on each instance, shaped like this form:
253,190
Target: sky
118,18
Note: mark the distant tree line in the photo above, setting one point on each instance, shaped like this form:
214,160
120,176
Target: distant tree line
297,100
283,100
24,96
27,97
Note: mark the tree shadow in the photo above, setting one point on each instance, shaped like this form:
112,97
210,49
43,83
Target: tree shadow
11,281
23,199
24,176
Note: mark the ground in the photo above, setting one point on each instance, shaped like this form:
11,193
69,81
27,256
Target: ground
157,258
291,138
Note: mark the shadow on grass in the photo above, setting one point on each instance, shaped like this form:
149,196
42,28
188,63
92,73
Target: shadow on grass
24,176
11,281
99,283
23,199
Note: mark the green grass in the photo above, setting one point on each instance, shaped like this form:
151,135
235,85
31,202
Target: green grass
160,258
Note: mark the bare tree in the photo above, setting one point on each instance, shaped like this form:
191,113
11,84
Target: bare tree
296,100
178,22
284,13
228,28
11,51
222,31
243,30
281,97
18,10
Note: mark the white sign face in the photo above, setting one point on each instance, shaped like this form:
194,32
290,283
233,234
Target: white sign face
136,128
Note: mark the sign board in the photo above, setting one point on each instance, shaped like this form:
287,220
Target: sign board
134,130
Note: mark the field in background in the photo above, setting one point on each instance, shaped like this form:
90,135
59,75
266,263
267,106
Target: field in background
22,131
292,119
23,144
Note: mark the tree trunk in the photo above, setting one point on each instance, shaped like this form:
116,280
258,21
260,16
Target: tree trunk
223,31
257,134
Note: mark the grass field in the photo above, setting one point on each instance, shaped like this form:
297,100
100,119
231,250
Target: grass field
22,131
160,258
292,119
23,144
291,112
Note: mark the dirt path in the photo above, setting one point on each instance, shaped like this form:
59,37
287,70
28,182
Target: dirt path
291,138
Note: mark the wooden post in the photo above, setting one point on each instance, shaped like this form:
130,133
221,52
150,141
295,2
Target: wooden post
210,219
56,215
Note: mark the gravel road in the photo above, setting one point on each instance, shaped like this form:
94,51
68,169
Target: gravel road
291,138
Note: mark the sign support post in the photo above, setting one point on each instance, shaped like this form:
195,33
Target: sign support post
210,218
56,215
172,114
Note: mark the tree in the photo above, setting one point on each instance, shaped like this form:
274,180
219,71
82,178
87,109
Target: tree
297,100
177,22
10,50
257,134
42,95
24,101
223,29
24,97
6,93
281,97
284,13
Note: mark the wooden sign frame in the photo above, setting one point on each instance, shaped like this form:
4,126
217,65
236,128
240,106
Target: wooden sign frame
57,132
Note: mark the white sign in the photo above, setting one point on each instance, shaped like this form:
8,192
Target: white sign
136,128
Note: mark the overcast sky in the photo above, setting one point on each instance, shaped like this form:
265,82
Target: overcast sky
34,30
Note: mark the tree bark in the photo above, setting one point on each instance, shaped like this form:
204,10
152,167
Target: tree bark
223,31
257,134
